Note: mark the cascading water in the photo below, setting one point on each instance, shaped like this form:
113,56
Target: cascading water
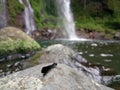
28,16
66,16
3,19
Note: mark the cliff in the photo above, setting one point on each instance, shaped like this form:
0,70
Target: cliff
100,15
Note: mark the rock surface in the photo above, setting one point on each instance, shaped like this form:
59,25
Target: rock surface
61,54
117,35
61,77
56,53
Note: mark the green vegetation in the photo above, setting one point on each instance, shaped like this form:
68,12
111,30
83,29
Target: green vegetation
13,40
14,8
34,60
45,13
99,15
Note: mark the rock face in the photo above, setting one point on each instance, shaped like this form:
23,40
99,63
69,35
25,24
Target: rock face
56,53
14,40
117,36
65,55
66,78
61,77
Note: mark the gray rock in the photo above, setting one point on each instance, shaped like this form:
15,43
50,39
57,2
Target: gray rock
56,53
65,55
66,78
117,35
60,78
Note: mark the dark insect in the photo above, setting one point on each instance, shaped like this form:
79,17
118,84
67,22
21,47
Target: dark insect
46,69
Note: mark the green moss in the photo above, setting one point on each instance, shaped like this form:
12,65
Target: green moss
34,60
13,40
44,12
14,8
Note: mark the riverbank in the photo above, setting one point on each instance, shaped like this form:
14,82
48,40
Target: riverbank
50,34
56,79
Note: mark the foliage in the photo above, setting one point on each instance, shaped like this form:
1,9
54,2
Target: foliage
45,13
14,8
100,15
13,40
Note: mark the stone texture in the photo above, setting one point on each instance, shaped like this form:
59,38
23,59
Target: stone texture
60,78
61,54
56,53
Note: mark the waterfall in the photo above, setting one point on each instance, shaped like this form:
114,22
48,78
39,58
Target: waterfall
3,19
66,17
28,16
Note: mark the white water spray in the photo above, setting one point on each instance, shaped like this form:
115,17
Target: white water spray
66,16
28,16
3,17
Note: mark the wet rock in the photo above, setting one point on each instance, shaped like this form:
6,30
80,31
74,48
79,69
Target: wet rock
21,56
79,58
99,35
2,59
116,78
10,57
16,64
44,33
1,71
19,20
117,35
9,65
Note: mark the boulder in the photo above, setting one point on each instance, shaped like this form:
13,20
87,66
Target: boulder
117,35
61,77
56,53
64,55
14,40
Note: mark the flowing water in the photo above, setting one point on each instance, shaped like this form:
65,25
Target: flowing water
66,18
3,17
28,16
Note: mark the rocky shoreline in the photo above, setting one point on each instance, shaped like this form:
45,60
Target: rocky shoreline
48,34
70,69
60,78
9,57
68,64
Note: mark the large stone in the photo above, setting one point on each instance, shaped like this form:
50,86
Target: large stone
14,40
61,54
117,35
61,77
56,53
